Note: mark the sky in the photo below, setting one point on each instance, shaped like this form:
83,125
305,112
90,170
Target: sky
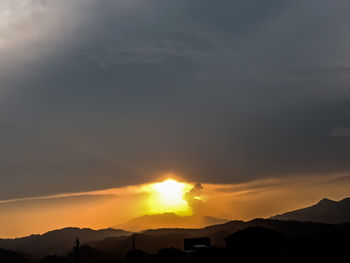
110,94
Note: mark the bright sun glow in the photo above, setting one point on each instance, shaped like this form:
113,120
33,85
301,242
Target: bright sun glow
168,197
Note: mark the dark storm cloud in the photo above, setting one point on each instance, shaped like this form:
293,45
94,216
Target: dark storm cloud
115,92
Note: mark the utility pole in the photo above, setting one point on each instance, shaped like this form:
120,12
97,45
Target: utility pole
133,242
76,251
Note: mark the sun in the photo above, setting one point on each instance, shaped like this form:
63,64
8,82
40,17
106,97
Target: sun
168,197
170,191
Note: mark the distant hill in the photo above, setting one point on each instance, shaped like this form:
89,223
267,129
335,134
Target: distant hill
58,241
325,211
169,220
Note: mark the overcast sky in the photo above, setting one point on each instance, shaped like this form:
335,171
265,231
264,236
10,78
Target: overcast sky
99,93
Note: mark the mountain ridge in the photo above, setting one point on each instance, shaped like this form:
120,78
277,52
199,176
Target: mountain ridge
57,241
325,211
169,220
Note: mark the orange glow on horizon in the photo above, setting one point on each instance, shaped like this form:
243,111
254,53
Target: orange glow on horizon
116,207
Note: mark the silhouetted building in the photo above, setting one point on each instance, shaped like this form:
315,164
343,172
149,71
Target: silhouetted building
192,245
255,240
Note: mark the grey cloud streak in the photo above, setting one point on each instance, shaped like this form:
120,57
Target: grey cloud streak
340,132
115,92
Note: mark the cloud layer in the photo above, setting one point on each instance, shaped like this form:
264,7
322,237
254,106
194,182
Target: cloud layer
112,93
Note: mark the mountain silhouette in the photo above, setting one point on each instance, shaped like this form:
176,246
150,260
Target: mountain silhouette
58,241
274,236
151,241
257,240
169,220
325,211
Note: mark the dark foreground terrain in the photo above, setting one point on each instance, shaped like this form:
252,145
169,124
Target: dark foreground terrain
235,241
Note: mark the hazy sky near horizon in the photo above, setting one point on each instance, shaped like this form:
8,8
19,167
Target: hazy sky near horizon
97,94
116,207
